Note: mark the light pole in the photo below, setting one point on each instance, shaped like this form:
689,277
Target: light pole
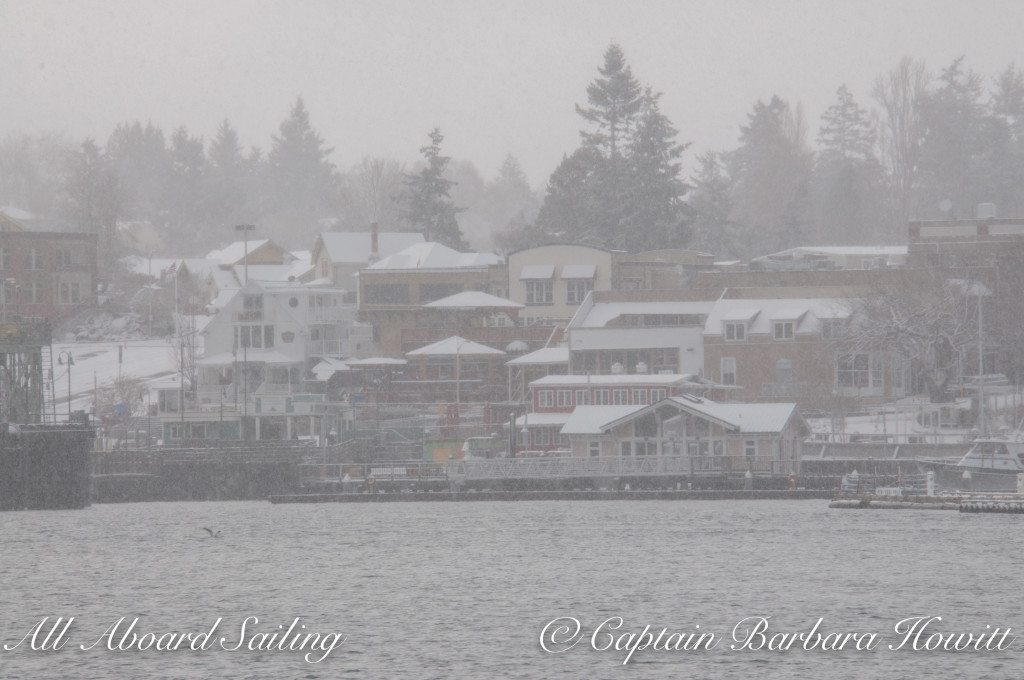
245,229
70,362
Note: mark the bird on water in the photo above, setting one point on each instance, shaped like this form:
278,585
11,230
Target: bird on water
211,532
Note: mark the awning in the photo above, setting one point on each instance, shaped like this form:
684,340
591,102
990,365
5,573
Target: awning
537,271
579,271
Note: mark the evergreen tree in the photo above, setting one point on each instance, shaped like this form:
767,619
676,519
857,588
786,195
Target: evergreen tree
226,181
187,214
847,176
953,116
770,173
429,207
615,99
711,205
621,189
1000,163
301,179
91,201
656,217
139,156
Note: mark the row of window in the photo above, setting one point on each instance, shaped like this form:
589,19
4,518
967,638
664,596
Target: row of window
736,331
599,397
541,292
33,258
254,337
33,293
861,370
701,447
543,436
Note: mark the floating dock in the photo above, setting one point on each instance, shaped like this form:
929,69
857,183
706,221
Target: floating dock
970,503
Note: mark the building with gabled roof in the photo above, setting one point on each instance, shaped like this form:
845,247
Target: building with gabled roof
338,256
726,437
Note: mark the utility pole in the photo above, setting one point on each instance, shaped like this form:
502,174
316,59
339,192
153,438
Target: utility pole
245,229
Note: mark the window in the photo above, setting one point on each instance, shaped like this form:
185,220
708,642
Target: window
538,292
386,294
545,398
750,448
783,330
5,258
576,290
626,448
728,371
639,396
31,293
620,397
198,431
252,308
175,431
832,329
861,370
33,259
564,397
582,398
594,449
658,395
735,331
602,397
62,259
254,337
784,371
429,292
70,294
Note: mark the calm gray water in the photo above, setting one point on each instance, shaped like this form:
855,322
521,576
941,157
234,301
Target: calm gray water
464,590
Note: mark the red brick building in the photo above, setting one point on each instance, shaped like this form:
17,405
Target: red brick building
50,275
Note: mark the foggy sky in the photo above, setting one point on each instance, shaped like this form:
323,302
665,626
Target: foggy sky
497,77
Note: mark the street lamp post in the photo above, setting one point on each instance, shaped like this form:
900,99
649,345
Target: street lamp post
245,229
70,361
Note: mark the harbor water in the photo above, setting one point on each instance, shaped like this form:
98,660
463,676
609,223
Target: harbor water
496,590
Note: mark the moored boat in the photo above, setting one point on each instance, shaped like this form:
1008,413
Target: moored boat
991,464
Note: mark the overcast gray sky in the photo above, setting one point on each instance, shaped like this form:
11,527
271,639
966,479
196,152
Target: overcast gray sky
497,77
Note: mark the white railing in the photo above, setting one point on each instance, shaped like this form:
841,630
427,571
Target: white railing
579,466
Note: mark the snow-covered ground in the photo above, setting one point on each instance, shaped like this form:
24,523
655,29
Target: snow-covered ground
96,364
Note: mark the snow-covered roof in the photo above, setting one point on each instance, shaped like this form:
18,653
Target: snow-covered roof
601,313
760,314
473,299
537,271
616,379
558,418
377,361
544,355
354,247
744,417
594,419
16,213
432,255
235,252
452,346
739,417
328,367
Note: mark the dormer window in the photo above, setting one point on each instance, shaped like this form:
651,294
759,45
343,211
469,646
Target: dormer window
783,330
735,331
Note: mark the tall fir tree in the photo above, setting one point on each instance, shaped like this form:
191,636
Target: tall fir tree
429,207
770,172
302,183
91,200
848,183
621,189
711,206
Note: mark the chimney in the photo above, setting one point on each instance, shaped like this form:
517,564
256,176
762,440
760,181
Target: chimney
374,250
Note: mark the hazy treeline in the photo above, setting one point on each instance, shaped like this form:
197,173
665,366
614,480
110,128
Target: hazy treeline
918,145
